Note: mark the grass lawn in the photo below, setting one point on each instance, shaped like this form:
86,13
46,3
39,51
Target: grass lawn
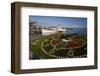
37,47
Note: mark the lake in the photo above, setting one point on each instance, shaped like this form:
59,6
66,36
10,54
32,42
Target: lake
80,31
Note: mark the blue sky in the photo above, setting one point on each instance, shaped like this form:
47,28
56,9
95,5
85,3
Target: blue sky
63,21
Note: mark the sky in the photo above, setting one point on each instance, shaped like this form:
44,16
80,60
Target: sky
63,21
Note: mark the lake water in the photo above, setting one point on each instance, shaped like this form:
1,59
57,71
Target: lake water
76,30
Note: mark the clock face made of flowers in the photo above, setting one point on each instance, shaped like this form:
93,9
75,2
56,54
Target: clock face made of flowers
66,47
57,41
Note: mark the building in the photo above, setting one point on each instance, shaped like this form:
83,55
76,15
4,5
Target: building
48,31
44,30
35,29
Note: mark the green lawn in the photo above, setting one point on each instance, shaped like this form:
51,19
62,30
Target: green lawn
37,47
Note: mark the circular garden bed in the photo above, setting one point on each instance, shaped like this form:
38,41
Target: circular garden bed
67,47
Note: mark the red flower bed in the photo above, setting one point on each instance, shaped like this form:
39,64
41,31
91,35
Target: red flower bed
71,45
